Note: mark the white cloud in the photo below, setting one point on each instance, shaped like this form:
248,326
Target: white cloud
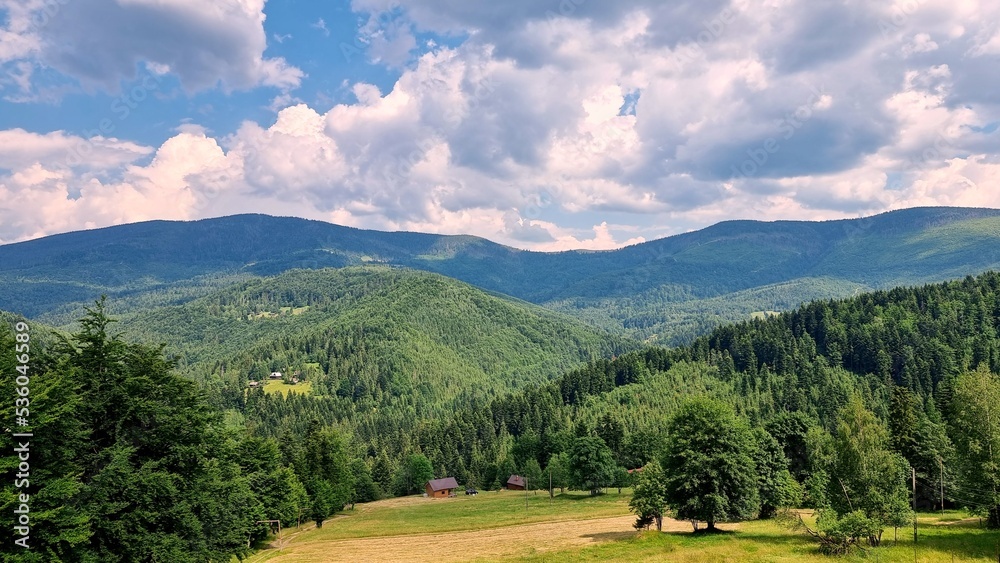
101,42
20,149
519,134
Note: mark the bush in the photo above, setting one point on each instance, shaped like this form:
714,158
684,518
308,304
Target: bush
838,535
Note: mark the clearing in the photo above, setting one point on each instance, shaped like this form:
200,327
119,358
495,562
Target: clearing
498,526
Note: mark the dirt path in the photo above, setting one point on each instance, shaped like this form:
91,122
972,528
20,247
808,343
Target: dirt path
492,544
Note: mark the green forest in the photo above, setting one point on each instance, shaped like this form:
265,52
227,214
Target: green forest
152,449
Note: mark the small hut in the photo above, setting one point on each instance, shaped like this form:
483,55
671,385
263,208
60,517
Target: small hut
441,488
515,483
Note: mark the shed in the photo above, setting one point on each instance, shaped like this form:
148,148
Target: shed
441,488
515,483
275,375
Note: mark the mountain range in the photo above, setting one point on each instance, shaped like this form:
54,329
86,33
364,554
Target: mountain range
667,290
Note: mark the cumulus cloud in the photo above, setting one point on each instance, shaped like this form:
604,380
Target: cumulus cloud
102,42
553,126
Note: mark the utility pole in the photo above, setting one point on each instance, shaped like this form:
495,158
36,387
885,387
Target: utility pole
941,464
550,485
913,473
526,493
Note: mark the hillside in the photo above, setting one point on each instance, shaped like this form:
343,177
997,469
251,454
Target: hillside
809,361
668,290
371,336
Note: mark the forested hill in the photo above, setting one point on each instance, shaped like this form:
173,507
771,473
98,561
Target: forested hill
901,351
669,289
371,336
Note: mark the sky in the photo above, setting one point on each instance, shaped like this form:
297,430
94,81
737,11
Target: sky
540,124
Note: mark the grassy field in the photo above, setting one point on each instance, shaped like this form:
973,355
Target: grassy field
274,386
496,526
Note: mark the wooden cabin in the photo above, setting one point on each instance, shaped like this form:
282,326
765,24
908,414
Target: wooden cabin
441,488
515,483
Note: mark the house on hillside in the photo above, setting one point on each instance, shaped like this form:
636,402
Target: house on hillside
275,375
253,384
515,483
441,488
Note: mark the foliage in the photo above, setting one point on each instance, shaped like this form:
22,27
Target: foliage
411,476
136,469
649,498
975,430
591,463
532,473
776,487
838,535
709,466
866,476
559,470
363,487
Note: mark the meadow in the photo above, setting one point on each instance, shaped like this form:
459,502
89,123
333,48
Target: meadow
499,526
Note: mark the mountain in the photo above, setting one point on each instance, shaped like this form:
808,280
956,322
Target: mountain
374,336
667,290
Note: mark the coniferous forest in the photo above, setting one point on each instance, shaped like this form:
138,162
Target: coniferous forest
835,406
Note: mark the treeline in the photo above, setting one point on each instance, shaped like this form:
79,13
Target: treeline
900,353
128,462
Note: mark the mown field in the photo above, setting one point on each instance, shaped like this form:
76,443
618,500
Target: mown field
273,387
498,526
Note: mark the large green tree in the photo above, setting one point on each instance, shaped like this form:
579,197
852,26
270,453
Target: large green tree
131,463
709,465
866,475
592,464
975,430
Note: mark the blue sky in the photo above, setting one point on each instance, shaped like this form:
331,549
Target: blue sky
539,124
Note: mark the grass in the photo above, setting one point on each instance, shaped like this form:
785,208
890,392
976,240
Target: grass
396,519
494,509
577,527
276,386
942,538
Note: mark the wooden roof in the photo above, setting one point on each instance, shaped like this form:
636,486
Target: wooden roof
516,480
442,484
